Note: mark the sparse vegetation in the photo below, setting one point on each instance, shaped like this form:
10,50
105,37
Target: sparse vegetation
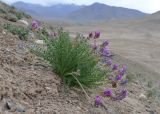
11,13
154,93
11,17
131,77
20,31
2,11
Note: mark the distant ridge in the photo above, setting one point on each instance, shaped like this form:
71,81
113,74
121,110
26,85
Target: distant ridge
98,11
54,11
94,12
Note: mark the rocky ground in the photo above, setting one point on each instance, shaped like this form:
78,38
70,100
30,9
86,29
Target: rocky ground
28,85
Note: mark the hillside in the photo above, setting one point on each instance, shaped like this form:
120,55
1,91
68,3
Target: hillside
59,11
29,86
100,12
151,22
94,12
10,13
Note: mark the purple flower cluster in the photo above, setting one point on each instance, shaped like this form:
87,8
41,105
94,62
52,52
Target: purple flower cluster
35,25
98,100
97,35
105,43
117,78
94,35
53,34
108,92
105,52
115,67
109,62
119,74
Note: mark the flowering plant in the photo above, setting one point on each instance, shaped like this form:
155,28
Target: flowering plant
75,61
117,78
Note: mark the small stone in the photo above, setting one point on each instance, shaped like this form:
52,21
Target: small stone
39,42
135,82
3,32
142,97
21,46
24,22
10,105
20,109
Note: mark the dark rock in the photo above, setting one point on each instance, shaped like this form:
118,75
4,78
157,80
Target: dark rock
10,105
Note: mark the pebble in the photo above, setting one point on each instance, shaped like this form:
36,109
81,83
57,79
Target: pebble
10,105
24,22
39,42
20,109
3,32
142,97
21,46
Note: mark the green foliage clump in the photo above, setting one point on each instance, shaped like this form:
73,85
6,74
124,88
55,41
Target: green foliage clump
72,60
154,93
21,15
11,17
11,13
131,77
2,11
44,32
20,31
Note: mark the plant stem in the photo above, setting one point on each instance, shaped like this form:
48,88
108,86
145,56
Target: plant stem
81,87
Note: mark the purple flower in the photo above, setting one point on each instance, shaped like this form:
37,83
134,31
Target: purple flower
115,67
105,52
119,77
123,94
98,100
54,34
109,62
90,35
97,35
35,24
105,43
121,71
108,92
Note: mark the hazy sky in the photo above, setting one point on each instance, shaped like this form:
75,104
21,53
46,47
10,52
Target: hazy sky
149,6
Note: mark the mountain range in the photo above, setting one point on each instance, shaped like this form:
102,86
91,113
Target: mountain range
94,12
